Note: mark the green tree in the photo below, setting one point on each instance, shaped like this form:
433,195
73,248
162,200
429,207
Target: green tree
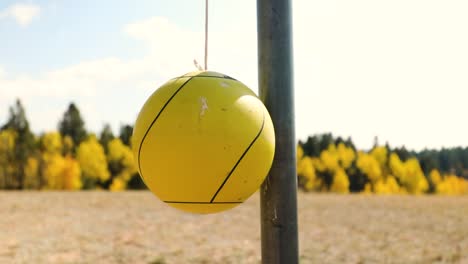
428,160
106,136
311,147
72,125
126,134
403,153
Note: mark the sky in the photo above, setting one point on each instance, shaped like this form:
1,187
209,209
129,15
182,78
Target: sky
396,70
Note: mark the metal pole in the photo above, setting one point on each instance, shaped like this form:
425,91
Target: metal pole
275,74
206,35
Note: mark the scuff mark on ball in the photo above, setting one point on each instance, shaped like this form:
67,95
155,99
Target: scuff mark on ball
204,106
225,84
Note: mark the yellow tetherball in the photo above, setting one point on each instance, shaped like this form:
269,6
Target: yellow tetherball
203,142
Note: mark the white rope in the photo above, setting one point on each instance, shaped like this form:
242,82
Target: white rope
195,62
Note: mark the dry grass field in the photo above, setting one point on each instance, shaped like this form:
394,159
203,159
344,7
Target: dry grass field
134,227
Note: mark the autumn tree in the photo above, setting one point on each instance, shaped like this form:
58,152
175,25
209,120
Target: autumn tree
387,185
58,172
307,176
369,165
71,174
92,160
340,182
450,184
32,177
7,158
326,171
24,144
52,160
121,164
381,170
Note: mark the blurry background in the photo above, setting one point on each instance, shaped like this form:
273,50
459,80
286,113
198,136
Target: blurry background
380,91
367,74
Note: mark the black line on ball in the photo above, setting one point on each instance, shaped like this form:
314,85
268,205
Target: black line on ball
182,202
219,77
211,76
152,123
239,160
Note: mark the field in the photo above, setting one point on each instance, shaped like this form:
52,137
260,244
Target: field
134,227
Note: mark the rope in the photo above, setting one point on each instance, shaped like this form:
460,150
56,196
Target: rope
195,62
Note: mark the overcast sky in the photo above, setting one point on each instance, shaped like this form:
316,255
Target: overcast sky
393,69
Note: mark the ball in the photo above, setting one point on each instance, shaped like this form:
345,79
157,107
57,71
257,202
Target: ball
203,142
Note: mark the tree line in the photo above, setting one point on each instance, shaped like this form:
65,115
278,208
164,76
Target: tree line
328,163
69,158
72,158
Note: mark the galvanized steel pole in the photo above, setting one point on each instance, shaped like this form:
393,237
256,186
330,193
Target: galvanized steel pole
279,191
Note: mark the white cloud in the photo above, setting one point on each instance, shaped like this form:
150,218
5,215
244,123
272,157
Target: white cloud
362,73
84,83
173,49
23,14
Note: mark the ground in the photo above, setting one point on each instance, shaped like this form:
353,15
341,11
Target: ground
134,227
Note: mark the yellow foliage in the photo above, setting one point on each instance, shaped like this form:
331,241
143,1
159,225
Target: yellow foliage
306,169
367,188
346,155
329,158
413,178
53,171
52,142
435,177
119,152
393,185
71,174
369,166
299,153
452,185
316,184
120,157
92,160
387,186
334,158
31,174
118,184
409,173
340,182
380,154
396,165
7,142
67,145
61,173
318,164
7,152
